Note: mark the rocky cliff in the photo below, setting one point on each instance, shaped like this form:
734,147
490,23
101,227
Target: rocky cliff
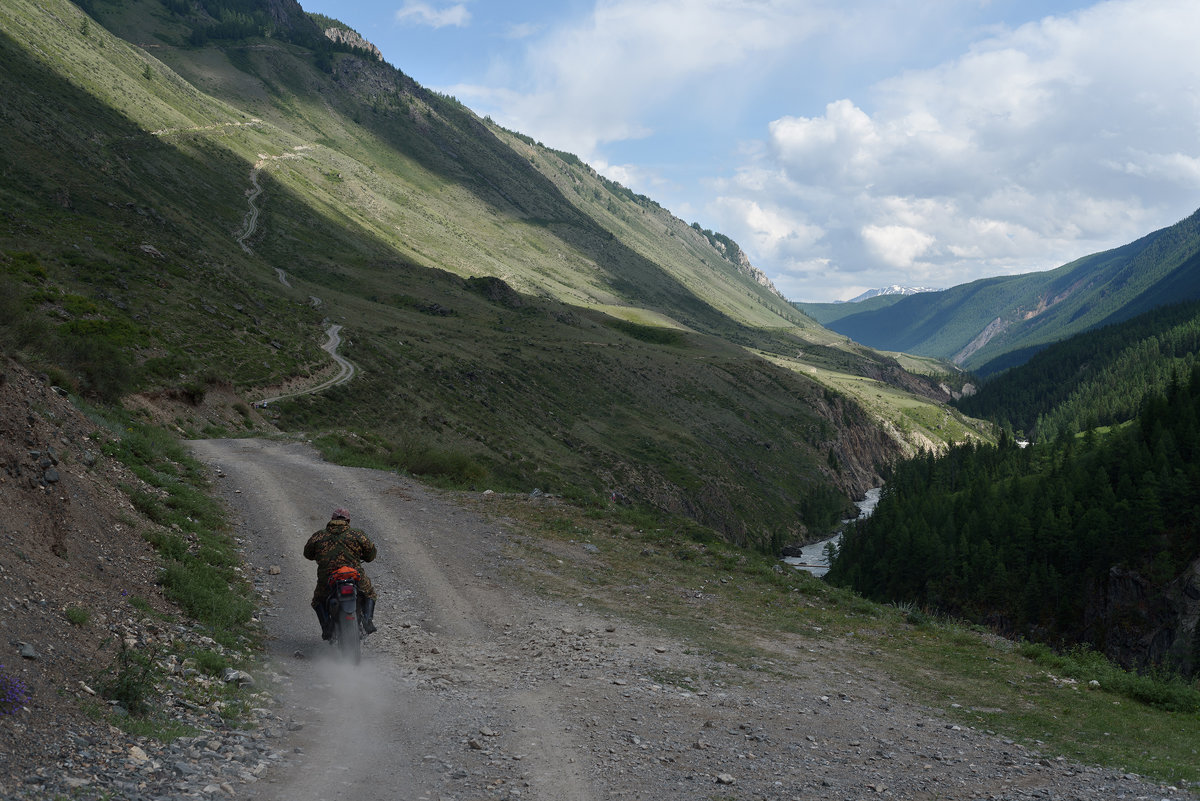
1143,626
353,39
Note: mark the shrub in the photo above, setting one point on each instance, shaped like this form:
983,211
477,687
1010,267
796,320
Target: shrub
141,604
102,367
210,662
205,594
917,618
77,615
451,465
193,392
199,559
1162,691
131,682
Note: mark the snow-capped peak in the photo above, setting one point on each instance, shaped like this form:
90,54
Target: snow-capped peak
894,289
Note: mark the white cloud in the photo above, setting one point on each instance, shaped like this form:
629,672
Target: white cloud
627,175
1009,149
842,145
771,231
424,14
1176,167
522,30
1034,147
896,245
602,78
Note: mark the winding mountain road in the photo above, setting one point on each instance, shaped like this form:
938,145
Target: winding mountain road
250,220
346,369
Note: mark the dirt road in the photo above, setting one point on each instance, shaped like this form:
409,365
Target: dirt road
346,369
476,689
431,682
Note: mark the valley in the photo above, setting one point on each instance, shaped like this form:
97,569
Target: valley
249,273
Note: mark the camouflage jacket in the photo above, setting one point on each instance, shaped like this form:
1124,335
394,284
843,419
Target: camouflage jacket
338,545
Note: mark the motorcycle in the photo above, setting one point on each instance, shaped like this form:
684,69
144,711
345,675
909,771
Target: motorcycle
345,613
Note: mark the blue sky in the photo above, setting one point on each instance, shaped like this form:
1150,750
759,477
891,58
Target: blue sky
845,144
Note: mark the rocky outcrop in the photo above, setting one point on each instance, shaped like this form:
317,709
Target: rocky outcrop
1141,625
742,262
288,17
967,391
345,36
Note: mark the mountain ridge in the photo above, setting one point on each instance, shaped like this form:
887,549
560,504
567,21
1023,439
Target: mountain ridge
563,355
987,320
1094,379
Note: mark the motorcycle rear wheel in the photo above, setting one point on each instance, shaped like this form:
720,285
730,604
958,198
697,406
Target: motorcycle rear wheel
349,640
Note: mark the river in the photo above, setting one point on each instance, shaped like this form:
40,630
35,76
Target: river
812,557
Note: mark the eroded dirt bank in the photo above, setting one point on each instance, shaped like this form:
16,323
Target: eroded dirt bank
476,688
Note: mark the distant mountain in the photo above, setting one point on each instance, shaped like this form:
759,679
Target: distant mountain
827,313
894,289
994,323
871,300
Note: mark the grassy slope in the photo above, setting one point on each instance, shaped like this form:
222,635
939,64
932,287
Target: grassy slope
474,207
64,196
477,209
122,228
663,238
379,198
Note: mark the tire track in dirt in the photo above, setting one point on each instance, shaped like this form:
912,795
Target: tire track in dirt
477,688
389,728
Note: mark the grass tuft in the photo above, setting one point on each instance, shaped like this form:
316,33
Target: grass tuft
77,615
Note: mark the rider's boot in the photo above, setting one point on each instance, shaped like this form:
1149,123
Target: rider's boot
368,615
326,623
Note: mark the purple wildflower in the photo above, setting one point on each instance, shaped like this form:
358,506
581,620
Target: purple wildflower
13,693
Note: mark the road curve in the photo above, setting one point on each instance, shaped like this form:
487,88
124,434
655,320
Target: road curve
250,220
475,688
346,369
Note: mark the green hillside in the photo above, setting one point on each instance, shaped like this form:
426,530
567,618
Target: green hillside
988,324
422,175
518,321
1098,378
827,313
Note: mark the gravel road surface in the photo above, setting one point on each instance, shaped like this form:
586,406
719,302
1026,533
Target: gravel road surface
476,688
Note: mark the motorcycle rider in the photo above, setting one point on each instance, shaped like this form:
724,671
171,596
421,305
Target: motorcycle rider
338,545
